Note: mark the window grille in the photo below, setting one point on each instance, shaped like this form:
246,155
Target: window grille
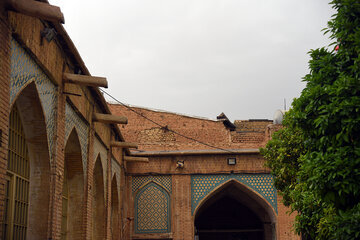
17,183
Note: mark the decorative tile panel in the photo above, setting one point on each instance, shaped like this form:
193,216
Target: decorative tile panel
73,120
25,70
99,148
202,185
152,209
164,181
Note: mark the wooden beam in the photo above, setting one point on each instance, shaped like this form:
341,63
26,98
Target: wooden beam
135,159
123,144
85,80
108,118
36,9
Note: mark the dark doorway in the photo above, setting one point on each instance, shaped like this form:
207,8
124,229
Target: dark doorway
228,219
233,213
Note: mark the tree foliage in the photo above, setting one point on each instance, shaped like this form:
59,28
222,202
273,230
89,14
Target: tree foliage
320,178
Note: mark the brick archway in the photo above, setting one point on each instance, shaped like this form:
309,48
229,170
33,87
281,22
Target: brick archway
115,210
73,190
28,183
98,201
234,211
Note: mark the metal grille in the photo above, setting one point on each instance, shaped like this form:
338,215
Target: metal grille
65,199
17,186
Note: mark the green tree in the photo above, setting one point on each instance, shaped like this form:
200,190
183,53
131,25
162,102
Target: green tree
325,190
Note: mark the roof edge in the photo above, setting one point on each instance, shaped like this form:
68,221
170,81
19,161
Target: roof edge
79,61
162,111
196,152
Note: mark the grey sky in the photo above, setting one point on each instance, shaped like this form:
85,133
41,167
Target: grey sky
199,57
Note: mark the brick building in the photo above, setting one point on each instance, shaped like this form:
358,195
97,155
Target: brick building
66,171
213,188
60,174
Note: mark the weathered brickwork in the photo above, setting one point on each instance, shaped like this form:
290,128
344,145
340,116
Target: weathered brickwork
151,137
4,101
204,171
62,139
251,125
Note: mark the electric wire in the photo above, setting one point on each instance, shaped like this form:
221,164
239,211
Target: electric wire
165,127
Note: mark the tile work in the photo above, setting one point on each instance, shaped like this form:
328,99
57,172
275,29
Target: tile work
99,149
73,120
152,209
164,181
116,170
24,70
202,185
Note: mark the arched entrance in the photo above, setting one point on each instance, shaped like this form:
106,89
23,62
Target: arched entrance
115,215
98,203
234,212
73,190
28,170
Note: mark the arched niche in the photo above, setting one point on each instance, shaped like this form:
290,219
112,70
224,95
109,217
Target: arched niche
73,190
98,203
234,211
152,209
115,210
31,211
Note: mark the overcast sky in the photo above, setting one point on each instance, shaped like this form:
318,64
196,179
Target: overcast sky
199,57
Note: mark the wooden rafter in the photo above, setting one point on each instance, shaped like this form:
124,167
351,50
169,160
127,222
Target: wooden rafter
36,9
108,118
123,144
135,159
85,80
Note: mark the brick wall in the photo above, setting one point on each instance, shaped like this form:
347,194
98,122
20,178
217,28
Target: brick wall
149,136
183,222
156,140
201,164
4,101
251,125
54,58
285,222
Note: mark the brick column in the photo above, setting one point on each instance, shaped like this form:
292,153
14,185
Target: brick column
108,194
57,169
89,181
285,222
182,221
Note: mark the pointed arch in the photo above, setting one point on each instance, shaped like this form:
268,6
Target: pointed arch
101,152
34,187
152,209
73,190
115,210
98,201
74,121
244,188
260,215
17,94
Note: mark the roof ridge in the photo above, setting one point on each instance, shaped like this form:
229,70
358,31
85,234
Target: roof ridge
163,111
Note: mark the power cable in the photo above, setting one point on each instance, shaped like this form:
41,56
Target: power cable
165,127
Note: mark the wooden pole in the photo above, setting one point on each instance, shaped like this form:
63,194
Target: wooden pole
135,159
123,144
36,9
108,118
85,80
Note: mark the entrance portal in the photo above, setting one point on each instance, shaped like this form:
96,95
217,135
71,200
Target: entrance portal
234,212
